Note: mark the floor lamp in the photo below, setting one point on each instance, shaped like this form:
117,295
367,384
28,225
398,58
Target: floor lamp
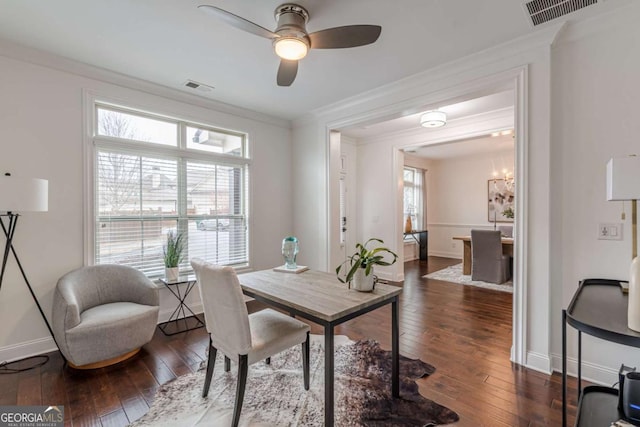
19,195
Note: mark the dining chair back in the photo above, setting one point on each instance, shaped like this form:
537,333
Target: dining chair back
488,264
242,337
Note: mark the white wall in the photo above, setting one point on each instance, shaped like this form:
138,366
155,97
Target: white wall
457,198
596,111
41,135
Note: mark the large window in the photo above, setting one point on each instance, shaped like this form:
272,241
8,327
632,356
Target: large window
155,174
413,197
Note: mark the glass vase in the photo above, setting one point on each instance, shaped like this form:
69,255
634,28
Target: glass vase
289,252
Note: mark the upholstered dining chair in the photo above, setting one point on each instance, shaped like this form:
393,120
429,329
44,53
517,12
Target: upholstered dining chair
506,230
239,336
487,261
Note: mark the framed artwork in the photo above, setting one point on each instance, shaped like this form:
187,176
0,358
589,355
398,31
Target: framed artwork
501,201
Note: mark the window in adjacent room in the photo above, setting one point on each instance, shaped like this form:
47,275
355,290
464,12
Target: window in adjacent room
155,174
413,191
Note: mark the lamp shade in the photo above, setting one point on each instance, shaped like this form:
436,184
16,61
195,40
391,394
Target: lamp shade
23,194
623,178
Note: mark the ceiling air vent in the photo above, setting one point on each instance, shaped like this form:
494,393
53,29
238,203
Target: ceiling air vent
541,11
198,86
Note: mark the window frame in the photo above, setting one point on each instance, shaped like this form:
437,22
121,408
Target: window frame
418,190
94,143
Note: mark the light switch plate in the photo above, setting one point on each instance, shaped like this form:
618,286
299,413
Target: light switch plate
610,231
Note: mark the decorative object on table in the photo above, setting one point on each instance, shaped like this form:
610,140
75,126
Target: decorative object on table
104,314
359,274
173,255
297,270
500,201
21,195
623,183
408,226
290,252
362,397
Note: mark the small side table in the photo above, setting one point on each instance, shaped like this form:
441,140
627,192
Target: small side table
179,316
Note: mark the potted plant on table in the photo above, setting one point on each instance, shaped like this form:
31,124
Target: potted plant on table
173,254
359,273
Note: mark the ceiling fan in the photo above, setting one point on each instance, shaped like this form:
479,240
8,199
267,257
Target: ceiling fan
291,40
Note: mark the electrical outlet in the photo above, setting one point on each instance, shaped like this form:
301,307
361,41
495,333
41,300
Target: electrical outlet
453,245
610,231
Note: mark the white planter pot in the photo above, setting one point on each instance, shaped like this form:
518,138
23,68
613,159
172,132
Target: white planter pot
363,283
171,274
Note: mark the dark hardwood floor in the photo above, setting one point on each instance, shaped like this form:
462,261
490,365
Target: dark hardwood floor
465,332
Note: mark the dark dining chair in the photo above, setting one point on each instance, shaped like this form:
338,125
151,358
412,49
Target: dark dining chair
488,264
241,337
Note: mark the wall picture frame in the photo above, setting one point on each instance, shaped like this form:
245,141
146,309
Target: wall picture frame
500,201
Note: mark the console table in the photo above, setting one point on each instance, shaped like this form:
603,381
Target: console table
598,308
422,241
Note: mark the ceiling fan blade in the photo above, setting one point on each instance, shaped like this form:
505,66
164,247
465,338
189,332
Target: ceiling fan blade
238,21
287,72
347,36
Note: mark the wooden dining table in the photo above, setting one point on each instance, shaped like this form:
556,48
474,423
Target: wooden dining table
507,249
321,298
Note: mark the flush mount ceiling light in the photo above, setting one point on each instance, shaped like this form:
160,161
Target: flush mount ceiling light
291,48
433,119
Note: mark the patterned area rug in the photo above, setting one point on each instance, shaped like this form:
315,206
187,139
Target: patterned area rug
454,274
275,394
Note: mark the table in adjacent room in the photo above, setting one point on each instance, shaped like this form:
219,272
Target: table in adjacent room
507,249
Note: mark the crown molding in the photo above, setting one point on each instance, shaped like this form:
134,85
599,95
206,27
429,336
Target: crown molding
541,38
41,58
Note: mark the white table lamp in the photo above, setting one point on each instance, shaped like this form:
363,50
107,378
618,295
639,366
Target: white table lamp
623,183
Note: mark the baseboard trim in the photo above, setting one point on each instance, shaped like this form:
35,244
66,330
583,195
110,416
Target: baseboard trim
539,362
25,349
446,254
592,372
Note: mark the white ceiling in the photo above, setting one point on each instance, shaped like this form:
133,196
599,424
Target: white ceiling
169,41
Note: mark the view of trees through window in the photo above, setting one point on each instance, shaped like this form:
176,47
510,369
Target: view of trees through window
142,193
413,196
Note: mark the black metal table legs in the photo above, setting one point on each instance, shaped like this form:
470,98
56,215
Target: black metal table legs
328,375
180,313
564,368
395,349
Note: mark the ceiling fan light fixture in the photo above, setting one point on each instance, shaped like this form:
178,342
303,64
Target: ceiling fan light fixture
433,119
290,48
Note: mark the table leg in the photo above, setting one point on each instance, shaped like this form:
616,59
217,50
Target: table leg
328,375
579,364
466,261
564,368
395,349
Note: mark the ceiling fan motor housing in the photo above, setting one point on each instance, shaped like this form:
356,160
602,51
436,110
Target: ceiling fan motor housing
292,20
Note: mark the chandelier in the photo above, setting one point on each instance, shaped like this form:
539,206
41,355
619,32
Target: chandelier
508,180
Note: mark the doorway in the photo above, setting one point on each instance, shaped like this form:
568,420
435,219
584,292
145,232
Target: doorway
384,156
